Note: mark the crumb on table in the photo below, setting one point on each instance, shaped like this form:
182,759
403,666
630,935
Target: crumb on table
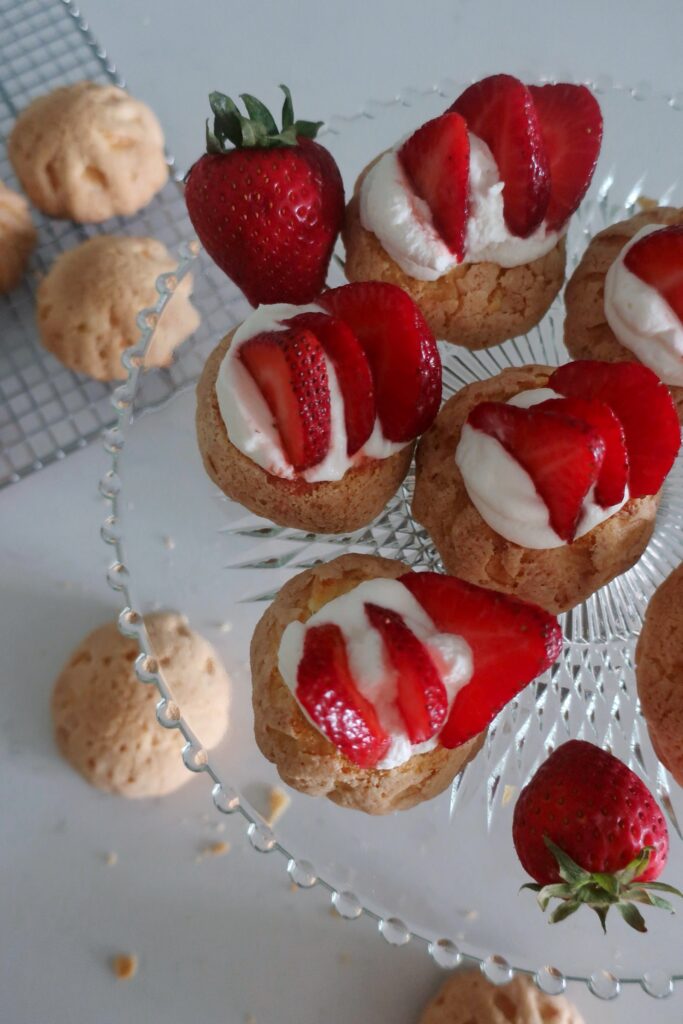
218,848
508,794
278,802
646,203
110,858
124,966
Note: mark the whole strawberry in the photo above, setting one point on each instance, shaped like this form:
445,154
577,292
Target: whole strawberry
267,203
590,832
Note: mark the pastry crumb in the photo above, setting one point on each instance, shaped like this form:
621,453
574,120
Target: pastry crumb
250,1019
218,848
344,958
124,966
293,887
508,795
646,203
168,542
224,627
110,858
278,802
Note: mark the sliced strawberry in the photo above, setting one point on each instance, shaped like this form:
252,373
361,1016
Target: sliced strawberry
436,158
644,406
401,350
500,111
563,456
571,127
352,369
613,477
657,259
421,695
328,694
511,641
289,369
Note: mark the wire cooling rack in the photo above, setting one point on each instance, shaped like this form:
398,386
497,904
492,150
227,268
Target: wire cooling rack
46,411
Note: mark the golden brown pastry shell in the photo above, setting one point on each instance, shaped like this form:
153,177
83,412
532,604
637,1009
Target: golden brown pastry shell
336,506
659,672
304,758
557,578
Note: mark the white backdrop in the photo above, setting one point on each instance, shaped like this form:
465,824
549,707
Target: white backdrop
225,938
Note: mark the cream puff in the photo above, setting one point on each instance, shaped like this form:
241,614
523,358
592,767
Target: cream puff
659,672
374,685
467,997
17,238
468,214
625,298
104,717
307,415
545,483
88,152
89,301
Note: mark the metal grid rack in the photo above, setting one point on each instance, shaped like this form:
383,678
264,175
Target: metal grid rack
46,411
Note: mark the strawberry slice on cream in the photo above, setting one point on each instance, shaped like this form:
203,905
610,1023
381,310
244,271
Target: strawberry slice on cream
308,392
395,667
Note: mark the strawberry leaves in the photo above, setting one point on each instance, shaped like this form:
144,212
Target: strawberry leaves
258,129
601,890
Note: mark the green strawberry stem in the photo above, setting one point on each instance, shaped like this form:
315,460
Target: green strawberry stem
258,129
600,891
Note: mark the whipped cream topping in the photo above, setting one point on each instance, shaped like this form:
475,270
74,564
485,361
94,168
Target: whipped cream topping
403,222
504,494
249,422
642,319
371,670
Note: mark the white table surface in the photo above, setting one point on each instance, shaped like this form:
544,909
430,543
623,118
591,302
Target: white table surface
225,938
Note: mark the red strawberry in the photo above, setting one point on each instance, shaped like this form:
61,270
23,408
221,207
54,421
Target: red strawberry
511,641
657,259
328,694
421,695
571,128
587,820
352,369
269,210
563,456
436,158
500,111
642,403
613,476
289,369
401,350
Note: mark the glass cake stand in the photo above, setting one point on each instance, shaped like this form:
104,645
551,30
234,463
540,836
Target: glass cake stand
444,874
